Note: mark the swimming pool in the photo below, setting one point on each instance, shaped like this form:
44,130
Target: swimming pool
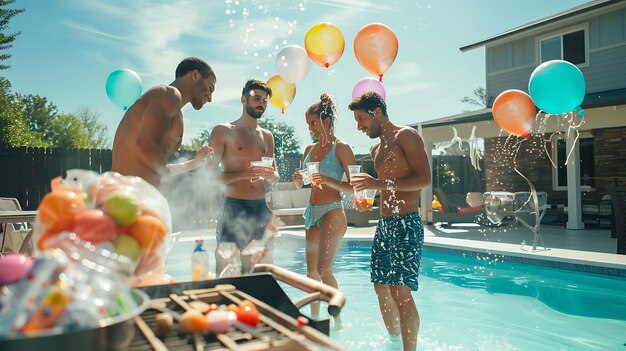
471,302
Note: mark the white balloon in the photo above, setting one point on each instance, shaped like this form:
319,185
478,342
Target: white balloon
292,63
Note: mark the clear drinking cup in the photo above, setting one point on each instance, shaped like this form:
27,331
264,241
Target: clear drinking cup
306,179
368,196
313,167
267,161
256,164
353,170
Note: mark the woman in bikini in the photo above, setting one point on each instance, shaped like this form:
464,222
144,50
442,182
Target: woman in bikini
324,218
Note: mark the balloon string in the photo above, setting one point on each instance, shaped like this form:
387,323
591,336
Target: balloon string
572,148
533,191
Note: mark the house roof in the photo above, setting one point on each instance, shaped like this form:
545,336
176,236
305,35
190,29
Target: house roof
575,11
465,117
592,100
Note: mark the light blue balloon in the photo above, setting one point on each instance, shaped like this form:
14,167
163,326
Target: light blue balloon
557,87
123,88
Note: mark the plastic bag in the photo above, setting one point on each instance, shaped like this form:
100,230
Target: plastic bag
73,287
122,214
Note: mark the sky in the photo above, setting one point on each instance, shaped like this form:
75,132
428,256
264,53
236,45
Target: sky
68,48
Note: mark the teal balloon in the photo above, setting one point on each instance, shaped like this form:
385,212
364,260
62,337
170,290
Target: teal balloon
123,88
557,87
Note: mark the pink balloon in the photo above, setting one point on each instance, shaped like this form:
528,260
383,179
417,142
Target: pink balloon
368,84
13,267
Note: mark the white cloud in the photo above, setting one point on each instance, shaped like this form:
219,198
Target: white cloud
406,78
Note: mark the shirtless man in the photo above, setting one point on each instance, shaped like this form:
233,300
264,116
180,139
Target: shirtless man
152,128
402,166
245,214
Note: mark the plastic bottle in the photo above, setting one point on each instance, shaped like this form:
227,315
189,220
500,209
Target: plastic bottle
199,262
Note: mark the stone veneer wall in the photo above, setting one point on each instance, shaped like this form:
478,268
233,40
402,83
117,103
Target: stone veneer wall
610,158
533,163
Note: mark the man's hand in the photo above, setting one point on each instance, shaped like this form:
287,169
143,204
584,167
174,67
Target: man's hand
203,156
361,206
255,173
362,181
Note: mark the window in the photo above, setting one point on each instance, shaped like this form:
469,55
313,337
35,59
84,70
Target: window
587,158
568,46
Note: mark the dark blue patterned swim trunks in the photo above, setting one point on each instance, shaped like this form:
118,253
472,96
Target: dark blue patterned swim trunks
397,250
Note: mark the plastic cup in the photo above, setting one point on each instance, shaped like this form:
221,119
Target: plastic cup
354,169
267,161
368,196
313,167
306,179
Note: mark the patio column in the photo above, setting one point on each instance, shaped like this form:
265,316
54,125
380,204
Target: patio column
574,207
426,196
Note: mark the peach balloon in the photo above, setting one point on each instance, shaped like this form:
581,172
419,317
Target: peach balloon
376,48
514,111
324,44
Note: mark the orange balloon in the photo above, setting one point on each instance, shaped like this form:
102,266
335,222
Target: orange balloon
324,44
514,111
376,47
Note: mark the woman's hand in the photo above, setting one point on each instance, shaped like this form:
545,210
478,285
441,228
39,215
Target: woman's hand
298,180
319,180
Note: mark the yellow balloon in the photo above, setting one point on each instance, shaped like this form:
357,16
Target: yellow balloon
324,44
282,92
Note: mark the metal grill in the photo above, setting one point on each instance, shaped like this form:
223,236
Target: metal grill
278,329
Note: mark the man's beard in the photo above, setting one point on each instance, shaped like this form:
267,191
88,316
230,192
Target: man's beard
254,112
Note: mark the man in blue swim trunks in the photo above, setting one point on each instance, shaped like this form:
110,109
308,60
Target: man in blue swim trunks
402,166
245,215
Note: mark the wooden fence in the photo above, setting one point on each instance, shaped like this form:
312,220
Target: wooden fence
25,172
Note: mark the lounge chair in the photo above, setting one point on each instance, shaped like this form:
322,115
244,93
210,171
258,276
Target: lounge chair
453,213
14,236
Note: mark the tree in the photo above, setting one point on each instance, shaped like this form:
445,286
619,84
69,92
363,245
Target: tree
81,130
67,132
198,142
6,40
478,98
285,140
96,131
14,131
38,111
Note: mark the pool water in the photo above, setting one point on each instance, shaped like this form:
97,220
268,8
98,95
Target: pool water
472,302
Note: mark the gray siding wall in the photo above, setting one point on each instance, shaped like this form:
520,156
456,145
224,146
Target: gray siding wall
507,65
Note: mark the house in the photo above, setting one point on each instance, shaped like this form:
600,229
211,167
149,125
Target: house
591,36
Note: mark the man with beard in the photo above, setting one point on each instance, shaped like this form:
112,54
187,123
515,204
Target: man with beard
245,214
152,129
402,166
